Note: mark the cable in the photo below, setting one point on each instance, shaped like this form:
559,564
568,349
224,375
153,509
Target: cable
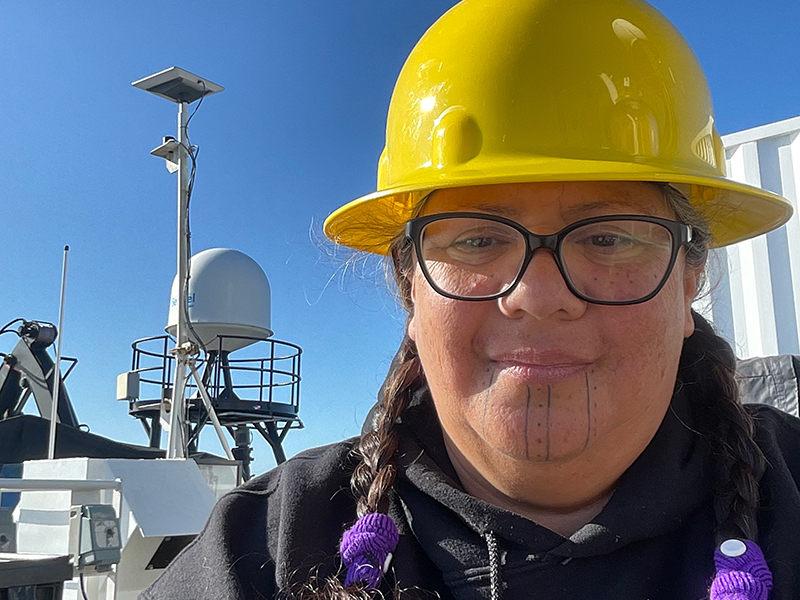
193,152
5,328
196,108
188,233
83,589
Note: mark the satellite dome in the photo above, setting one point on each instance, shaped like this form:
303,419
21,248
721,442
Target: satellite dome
229,295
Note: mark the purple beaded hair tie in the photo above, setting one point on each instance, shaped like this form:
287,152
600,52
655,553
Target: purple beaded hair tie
742,572
367,548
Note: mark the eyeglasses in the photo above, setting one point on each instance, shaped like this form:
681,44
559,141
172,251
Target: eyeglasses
612,260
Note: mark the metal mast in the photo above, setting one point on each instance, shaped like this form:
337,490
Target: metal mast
179,86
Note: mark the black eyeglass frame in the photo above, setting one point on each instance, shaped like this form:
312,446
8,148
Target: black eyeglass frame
681,235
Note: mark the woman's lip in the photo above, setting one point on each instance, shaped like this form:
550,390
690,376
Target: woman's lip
535,372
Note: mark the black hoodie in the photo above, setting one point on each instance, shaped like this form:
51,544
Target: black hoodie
653,540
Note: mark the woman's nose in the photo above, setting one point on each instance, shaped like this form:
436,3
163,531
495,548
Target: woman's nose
542,292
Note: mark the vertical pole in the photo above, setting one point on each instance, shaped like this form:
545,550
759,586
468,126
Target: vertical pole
176,444
51,448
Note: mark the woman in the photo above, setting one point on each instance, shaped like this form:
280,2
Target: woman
557,423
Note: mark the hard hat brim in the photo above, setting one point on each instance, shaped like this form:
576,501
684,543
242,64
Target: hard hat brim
735,211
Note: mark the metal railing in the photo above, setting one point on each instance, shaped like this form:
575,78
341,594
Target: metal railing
264,374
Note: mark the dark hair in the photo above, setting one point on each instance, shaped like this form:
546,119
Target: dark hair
738,461
707,361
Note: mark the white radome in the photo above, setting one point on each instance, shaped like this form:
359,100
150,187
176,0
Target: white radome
229,295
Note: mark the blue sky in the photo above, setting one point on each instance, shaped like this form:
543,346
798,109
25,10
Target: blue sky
296,134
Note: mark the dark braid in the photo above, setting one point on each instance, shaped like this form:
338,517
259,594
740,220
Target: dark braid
374,475
709,363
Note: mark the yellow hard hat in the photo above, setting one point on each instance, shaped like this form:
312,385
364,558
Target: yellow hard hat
510,91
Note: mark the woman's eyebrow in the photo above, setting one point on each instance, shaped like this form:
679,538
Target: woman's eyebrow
575,211
621,206
499,210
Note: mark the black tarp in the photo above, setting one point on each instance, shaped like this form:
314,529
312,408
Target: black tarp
25,437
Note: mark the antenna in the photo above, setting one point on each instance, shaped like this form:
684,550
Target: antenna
183,88
51,447
246,383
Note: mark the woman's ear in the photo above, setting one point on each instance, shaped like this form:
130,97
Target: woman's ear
691,283
411,323
411,329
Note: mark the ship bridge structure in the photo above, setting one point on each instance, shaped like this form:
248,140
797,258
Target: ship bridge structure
754,296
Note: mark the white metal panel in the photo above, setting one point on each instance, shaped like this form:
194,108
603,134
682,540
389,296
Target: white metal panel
775,155
158,498
762,132
790,171
743,164
167,497
755,299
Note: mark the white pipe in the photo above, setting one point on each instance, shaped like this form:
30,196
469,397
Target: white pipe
76,485
211,412
176,444
51,452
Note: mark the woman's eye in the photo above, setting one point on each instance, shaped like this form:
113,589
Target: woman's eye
475,243
606,240
485,244
469,241
479,248
610,238
620,241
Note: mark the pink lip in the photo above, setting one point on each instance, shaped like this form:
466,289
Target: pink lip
541,367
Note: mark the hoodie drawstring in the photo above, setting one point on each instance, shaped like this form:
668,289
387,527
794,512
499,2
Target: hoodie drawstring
495,580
